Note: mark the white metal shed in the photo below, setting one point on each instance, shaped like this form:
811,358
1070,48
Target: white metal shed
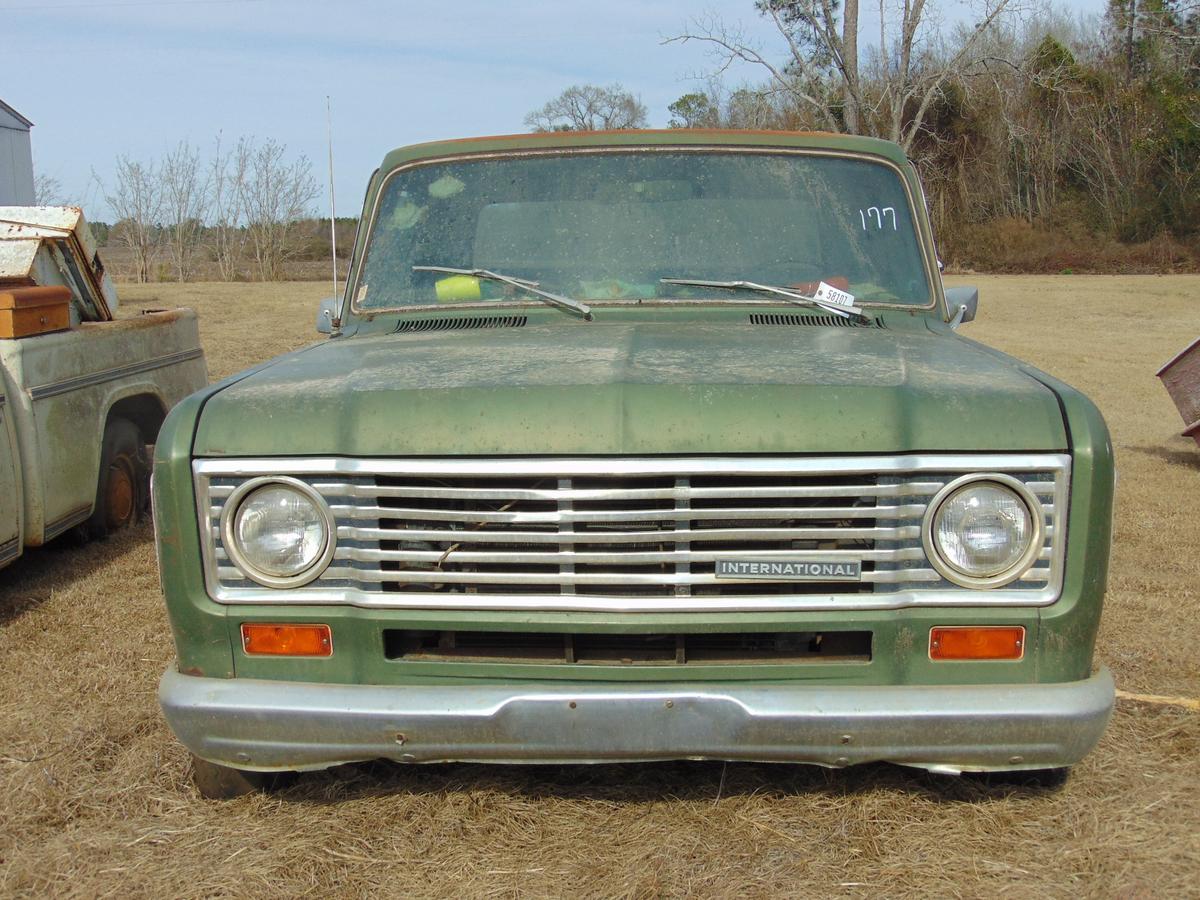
16,158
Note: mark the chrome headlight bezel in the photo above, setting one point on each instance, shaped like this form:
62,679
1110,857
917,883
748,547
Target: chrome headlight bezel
229,539
952,573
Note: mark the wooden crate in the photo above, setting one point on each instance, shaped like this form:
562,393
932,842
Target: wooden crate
26,311
1181,377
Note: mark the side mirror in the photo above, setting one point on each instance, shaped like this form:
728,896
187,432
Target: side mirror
963,303
325,315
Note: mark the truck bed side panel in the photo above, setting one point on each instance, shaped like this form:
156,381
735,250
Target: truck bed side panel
69,382
10,484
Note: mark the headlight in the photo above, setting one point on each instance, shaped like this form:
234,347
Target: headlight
278,531
983,531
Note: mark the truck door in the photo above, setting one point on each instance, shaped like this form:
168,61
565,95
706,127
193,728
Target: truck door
10,488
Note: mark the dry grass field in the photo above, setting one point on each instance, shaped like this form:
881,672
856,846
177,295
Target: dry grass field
94,791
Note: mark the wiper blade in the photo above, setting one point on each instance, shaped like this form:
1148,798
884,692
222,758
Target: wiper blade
529,287
789,295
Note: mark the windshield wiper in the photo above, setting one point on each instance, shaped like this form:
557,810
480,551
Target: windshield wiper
529,287
790,296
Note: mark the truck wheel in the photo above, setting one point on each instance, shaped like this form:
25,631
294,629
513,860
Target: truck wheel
123,487
217,782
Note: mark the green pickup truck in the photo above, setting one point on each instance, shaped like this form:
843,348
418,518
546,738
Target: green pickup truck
637,446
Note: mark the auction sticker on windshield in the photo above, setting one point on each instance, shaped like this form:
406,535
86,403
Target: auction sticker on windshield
827,293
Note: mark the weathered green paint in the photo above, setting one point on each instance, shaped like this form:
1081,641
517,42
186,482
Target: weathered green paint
667,137
636,382
900,652
1069,627
653,380
197,623
201,645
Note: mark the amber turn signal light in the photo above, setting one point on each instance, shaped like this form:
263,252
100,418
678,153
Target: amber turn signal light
265,639
977,642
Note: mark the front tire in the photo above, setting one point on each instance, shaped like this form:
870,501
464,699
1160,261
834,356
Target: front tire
123,487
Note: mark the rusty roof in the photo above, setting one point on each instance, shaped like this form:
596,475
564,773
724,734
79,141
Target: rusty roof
648,137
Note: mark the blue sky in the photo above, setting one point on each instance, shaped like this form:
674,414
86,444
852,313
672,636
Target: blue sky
104,77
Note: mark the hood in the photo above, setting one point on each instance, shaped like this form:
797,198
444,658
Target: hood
634,388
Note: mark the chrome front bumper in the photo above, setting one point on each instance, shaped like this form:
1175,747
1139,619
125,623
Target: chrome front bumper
279,725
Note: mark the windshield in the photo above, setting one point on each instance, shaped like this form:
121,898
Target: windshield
609,225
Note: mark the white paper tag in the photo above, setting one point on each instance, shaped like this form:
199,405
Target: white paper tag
827,293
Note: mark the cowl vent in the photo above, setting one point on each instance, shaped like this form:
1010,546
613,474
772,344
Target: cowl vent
460,324
822,321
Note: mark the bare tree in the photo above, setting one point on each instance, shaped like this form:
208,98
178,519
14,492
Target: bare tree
226,203
275,194
185,205
47,191
821,68
137,202
589,107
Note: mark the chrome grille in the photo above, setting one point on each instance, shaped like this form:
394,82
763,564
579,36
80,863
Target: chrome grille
623,534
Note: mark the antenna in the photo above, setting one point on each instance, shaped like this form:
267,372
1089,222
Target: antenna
332,206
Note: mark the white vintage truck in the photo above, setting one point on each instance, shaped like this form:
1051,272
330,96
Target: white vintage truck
81,392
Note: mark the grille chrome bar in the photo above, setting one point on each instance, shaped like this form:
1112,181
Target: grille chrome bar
628,537
631,467
632,558
680,513
677,557
685,514
428,576
632,534
902,489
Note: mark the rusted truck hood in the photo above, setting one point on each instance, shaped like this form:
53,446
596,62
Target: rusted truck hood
634,388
